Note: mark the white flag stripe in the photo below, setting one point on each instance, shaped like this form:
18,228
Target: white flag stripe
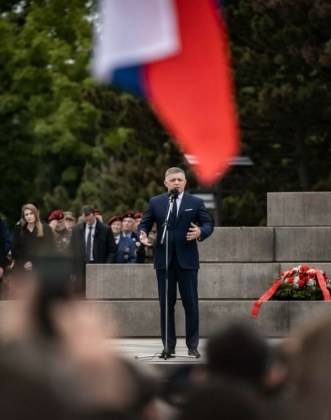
133,32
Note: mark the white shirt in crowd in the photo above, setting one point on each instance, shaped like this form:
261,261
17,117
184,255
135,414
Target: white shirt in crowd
87,231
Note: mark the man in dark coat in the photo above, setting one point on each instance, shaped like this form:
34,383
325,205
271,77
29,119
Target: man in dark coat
183,255
2,250
8,241
92,242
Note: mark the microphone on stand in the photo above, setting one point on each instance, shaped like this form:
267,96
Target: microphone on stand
173,194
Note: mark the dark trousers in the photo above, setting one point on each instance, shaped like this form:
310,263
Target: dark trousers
188,287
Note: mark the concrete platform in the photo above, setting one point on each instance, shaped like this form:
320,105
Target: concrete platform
299,209
222,280
137,320
238,244
130,348
141,319
303,244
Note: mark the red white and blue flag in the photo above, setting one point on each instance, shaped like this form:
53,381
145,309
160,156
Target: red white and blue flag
175,54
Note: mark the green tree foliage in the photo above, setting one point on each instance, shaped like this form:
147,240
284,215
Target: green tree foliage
48,128
65,142
282,61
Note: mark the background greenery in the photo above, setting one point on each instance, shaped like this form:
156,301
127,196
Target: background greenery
65,142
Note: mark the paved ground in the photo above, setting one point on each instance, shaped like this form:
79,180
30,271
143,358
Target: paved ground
130,348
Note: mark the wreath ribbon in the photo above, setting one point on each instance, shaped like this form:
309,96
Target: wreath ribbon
274,287
263,298
322,284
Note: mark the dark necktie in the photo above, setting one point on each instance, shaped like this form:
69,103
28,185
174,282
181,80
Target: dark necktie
174,210
88,246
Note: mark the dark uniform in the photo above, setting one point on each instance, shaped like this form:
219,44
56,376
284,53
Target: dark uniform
63,253
126,253
62,241
140,248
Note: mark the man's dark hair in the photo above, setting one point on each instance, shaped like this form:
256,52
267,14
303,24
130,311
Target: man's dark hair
223,400
239,352
87,210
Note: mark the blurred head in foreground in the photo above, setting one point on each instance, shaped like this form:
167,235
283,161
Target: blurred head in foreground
57,344
223,400
239,352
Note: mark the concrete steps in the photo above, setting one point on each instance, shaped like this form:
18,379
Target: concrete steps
216,280
299,209
140,319
238,264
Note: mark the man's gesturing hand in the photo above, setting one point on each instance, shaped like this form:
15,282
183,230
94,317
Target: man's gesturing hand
144,239
193,233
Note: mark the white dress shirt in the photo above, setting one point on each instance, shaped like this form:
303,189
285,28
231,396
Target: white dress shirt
179,201
87,231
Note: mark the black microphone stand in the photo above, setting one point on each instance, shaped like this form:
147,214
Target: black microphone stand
165,237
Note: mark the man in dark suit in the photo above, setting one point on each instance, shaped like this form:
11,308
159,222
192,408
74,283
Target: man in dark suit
92,242
183,255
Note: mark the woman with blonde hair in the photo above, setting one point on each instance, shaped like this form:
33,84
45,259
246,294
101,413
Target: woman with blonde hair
32,240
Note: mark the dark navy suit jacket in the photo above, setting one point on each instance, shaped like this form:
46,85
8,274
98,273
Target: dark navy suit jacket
126,251
192,209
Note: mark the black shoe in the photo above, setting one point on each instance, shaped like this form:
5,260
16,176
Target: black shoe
194,352
170,353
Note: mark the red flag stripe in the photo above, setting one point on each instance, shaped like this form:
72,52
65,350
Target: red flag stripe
192,92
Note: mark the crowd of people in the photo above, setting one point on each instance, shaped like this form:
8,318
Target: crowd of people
62,235
56,364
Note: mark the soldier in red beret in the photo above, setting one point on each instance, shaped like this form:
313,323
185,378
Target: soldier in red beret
128,231
62,235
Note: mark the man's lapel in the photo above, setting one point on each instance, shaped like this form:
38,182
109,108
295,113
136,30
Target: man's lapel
82,230
97,227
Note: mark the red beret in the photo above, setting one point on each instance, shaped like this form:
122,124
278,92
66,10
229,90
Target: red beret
114,219
138,215
128,214
56,215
